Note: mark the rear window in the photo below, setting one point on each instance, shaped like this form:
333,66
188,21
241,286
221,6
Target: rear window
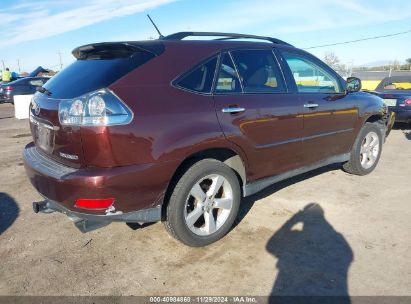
200,79
87,75
37,82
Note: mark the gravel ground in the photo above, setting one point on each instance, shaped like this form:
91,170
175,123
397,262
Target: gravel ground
322,233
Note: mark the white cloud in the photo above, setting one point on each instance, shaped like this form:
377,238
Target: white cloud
29,21
294,16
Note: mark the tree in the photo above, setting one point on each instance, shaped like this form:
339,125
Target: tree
332,60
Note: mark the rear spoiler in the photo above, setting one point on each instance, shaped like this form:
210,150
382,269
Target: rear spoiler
110,50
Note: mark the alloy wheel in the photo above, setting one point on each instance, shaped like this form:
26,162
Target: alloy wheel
208,205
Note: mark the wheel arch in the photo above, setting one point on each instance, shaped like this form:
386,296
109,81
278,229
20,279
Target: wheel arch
228,156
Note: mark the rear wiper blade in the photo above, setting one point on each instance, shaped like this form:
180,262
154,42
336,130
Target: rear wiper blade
43,90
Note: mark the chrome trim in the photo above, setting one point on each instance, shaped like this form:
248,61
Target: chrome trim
311,105
233,110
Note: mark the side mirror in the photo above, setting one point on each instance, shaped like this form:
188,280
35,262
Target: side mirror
353,84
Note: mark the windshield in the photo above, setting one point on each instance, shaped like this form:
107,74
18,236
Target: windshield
398,86
395,83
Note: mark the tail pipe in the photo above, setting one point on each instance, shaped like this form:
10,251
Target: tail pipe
81,224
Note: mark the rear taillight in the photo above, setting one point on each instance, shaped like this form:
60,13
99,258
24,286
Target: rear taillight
98,108
8,89
86,203
407,102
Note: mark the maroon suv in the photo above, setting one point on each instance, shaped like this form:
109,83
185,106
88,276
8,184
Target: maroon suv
180,130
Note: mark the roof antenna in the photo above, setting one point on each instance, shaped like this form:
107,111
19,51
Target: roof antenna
158,31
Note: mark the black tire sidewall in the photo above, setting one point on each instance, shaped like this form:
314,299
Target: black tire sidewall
175,209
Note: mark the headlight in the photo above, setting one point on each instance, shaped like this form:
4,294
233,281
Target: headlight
98,108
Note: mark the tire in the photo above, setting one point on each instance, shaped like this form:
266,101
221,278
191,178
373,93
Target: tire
365,153
195,203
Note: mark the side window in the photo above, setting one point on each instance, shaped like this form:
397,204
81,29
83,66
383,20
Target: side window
36,82
309,77
201,78
259,71
228,80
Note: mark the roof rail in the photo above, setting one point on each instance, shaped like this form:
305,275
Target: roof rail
227,36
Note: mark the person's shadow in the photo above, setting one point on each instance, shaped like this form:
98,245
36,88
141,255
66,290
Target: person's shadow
313,258
9,211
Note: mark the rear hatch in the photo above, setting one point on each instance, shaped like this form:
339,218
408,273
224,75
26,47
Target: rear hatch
394,99
97,66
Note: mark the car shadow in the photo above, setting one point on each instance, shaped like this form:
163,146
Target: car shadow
312,257
9,211
136,226
248,202
404,127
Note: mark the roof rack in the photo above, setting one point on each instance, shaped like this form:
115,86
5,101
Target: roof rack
227,36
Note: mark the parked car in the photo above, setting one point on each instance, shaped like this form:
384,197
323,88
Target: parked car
396,94
22,86
180,130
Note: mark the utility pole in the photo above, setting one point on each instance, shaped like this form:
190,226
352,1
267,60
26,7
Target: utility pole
18,64
61,62
351,66
4,67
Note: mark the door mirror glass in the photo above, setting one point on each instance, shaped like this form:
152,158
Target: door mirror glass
353,84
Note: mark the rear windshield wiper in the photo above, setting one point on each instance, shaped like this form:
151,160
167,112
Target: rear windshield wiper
43,90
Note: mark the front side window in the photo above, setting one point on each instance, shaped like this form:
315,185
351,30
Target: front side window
200,79
228,80
310,77
259,71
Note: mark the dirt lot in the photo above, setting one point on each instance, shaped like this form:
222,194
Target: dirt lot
352,237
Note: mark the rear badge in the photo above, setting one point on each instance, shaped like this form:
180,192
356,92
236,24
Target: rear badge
69,156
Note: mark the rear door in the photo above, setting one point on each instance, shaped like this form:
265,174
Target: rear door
257,112
330,115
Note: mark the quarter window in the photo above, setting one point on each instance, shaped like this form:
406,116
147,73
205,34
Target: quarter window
228,80
201,78
37,82
310,77
259,71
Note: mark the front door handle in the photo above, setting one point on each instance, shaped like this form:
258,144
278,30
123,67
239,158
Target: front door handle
311,105
233,110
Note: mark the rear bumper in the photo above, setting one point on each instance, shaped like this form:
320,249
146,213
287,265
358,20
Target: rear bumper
134,187
88,222
402,114
5,98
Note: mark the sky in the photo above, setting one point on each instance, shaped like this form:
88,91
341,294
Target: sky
35,32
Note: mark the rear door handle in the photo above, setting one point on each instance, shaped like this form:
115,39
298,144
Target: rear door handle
233,110
311,105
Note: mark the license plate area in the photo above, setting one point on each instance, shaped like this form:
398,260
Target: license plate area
390,102
44,136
